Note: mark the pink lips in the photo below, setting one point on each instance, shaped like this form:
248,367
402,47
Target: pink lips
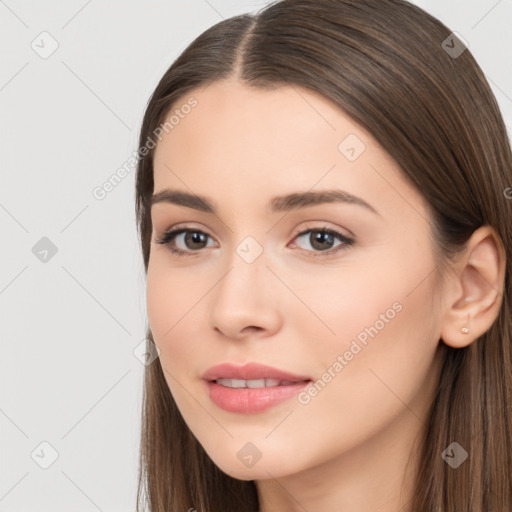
249,371
250,400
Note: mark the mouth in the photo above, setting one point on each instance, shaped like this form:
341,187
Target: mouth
256,383
251,388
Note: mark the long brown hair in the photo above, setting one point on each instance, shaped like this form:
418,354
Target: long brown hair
392,68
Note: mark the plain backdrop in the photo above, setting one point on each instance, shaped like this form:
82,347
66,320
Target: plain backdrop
75,78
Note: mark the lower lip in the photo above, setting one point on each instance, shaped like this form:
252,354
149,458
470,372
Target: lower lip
249,400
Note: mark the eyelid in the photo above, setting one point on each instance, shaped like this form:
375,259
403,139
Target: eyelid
324,226
185,226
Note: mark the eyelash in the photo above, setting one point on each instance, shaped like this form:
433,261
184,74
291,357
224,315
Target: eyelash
170,235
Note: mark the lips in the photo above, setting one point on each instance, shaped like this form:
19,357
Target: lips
251,372
251,388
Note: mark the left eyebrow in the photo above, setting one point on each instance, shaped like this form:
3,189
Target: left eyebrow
298,200
283,203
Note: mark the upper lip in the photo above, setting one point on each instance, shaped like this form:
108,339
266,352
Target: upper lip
250,371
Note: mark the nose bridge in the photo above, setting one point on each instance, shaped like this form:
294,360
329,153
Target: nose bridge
242,297
249,250
247,267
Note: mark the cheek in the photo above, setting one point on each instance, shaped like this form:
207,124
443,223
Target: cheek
169,294
378,299
159,301
166,299
173,300
381,356
335,306
373,344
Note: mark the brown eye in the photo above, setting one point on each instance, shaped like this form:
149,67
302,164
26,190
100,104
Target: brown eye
193,240
322,240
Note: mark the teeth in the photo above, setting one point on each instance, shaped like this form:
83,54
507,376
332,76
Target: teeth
255,383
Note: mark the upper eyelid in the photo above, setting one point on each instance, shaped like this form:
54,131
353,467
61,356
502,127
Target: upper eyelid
323,225
295,233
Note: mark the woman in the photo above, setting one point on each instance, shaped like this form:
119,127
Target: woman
323,200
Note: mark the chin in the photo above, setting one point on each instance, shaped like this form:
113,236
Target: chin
264,468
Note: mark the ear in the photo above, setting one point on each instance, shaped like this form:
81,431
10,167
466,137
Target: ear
474,290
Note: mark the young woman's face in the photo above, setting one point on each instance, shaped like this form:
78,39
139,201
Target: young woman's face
353,311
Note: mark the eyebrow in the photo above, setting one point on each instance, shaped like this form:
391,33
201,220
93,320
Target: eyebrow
284,203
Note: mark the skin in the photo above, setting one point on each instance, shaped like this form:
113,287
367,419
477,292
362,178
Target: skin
297,309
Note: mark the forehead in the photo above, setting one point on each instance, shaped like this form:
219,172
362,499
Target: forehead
266,141
275,117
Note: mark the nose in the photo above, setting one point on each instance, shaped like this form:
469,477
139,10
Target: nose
245,303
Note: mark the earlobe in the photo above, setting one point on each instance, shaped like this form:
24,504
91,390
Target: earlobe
476,289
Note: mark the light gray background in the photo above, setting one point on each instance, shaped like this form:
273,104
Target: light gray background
69,326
